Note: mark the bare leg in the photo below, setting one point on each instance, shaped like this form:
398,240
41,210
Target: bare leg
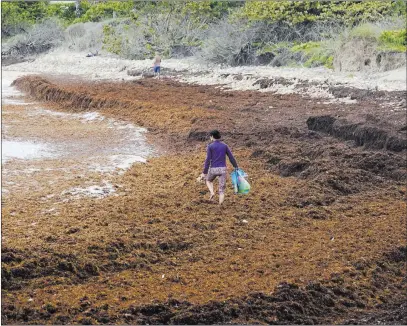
210,187
222,188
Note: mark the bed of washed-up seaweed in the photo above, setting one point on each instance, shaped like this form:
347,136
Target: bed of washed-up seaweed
321,237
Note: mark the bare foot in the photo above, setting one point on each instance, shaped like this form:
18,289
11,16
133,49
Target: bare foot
211,196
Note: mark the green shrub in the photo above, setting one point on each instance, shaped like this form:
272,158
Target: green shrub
393,40
209,10
17,17
320,60
63,11
366,31
315,54
112,42
295,12
308,47
104,10
292,54
273,48
128,40
382,39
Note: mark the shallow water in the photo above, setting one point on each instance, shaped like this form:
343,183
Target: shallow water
9,94
24,150
86,150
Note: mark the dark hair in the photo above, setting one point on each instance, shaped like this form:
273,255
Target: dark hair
215,134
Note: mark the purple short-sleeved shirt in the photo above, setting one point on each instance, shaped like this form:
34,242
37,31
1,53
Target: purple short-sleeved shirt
216,156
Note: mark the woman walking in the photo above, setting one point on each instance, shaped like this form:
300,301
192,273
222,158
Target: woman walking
215,164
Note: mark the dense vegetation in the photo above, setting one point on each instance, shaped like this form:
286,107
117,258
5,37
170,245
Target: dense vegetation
252,32
347,12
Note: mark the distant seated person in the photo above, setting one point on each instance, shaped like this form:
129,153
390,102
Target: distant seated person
157,65
92,54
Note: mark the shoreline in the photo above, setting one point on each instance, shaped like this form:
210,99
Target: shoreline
192,71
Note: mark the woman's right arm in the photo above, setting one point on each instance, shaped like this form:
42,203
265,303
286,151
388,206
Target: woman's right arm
208,160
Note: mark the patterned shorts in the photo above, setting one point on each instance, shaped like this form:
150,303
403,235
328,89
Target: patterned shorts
218,172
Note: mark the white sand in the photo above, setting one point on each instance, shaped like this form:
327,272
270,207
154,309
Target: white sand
111,68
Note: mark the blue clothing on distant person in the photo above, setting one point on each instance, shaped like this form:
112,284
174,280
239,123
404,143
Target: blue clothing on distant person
157,63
